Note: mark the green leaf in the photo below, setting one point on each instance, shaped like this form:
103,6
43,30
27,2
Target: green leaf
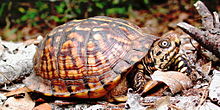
99,5
24,17
41,5
146,1
116,11
55,18
3,5
115,2
43,15
64,19
21,9
78,11
60,8
34,23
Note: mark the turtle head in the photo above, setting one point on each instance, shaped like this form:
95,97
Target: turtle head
163,52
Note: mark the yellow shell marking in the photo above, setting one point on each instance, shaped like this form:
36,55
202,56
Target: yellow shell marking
90,46
50,74
79,62
82,29
97,36
68,62
82,95
100,92
77,36
98,29
57,38
91,60
68,29
74,74
62,73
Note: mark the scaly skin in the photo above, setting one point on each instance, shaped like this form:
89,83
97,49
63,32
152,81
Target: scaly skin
164,56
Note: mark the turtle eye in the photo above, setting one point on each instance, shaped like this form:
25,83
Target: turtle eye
164,44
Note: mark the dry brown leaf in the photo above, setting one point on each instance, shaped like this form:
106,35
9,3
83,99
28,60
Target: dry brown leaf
16,102
33,41
44,106
206,68
163,103
176,81
17,91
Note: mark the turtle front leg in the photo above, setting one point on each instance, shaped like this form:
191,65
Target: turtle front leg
135,79
139,80
143,83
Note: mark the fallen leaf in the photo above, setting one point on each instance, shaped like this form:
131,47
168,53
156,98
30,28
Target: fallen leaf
163,103
44,106
206,68
17,91
33,41
176,81
19,103
133,101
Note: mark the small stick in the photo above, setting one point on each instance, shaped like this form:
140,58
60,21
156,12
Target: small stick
210,37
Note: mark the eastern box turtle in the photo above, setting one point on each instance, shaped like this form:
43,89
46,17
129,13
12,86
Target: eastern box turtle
91,58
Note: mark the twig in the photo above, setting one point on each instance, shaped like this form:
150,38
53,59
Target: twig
203,98
209,38
174,107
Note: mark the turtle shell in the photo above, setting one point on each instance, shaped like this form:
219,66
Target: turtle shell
86,58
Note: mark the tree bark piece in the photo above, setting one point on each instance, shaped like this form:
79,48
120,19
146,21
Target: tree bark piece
15,60
209,38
